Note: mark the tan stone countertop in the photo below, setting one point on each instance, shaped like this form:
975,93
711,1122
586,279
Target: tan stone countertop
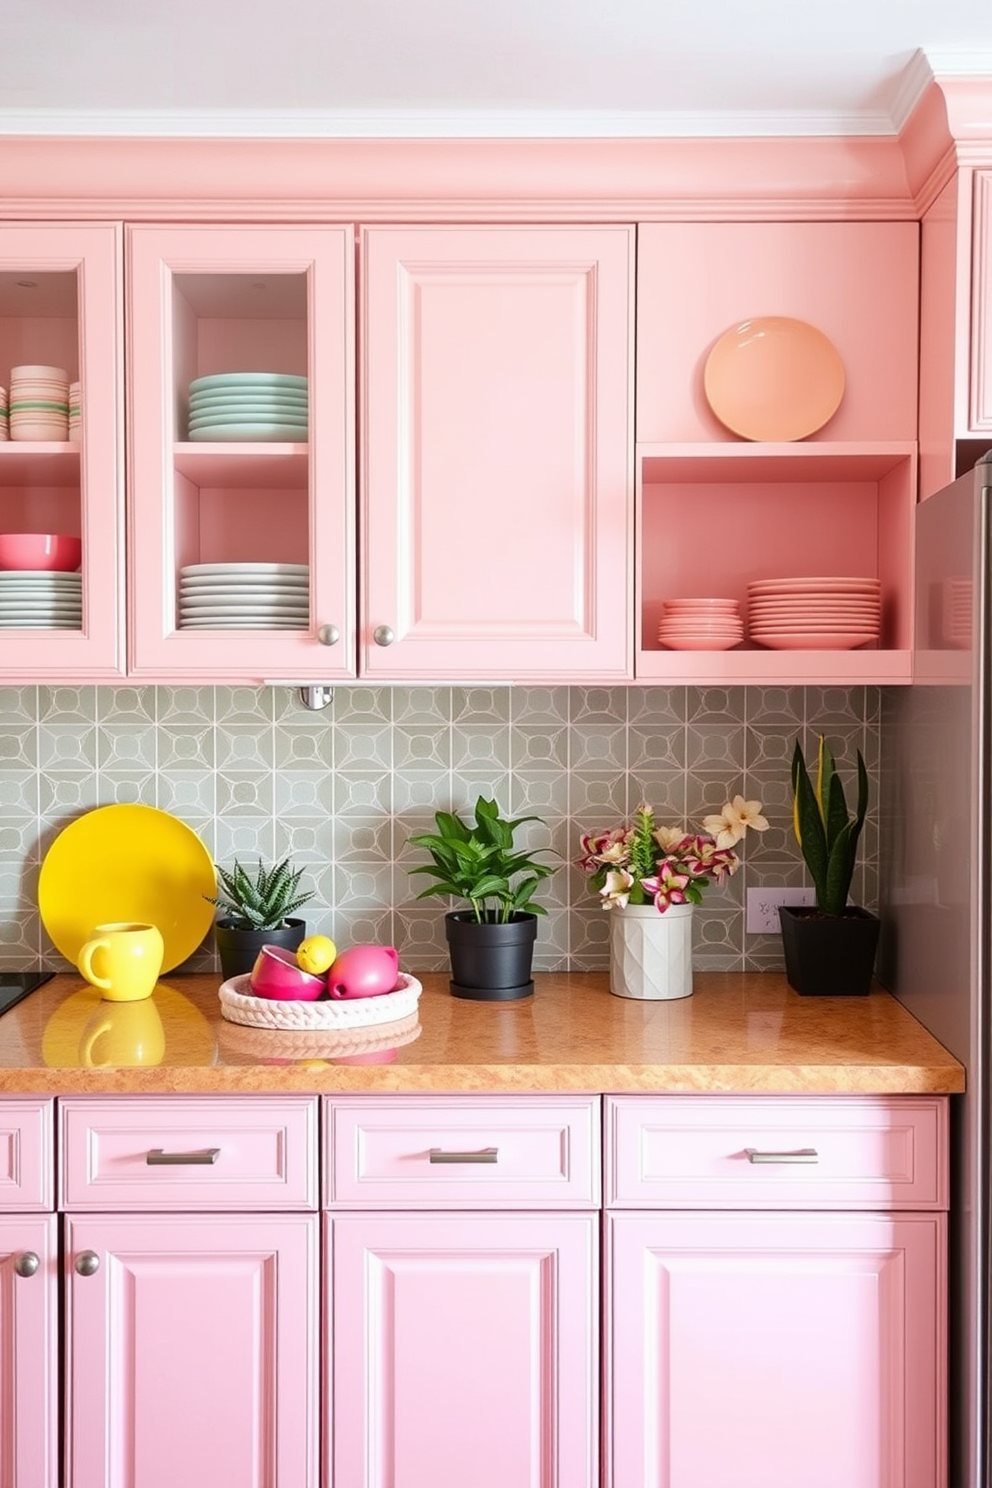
738,1032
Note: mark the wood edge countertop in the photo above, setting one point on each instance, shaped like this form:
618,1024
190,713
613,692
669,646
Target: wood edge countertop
738,1033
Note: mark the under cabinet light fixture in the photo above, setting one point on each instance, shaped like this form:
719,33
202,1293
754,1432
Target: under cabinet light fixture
313,695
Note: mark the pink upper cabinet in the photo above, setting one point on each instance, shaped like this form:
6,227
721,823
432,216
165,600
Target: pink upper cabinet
274,307
496,452
60,307
980,410
857,282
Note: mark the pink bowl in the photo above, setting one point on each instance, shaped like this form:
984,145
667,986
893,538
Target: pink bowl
40,550
276,975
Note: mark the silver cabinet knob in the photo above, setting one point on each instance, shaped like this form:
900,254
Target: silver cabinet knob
384,635
87,1263
328,635
27,1263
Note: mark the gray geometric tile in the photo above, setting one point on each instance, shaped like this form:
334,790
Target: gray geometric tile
303,748
358,840
421,705
187,793
362,705
243,705
63,793
362,746
289,711
244,793
362,791
185,705
244,747
480,705
539,705
421,746
20,933
126,747
18,793
468,785
771,705
714,746
420,940
128,788
18,747
656,748
18,879
186,746
551,946
597,705
480,746
832,707
60,747
18,840
134,705
19,705
363,885
538,747
589,948
361,927
543,794
67,704
709,705
597,746
304,839
658,707
304,793
424,791
244,838
769,749
662,790
597,799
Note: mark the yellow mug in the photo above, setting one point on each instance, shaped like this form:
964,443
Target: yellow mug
123,959
129,1035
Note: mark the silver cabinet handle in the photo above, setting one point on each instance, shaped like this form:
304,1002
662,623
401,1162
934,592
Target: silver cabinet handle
27,1263
328,635
484,1155
87,1263
384,635
157,1158
800,1155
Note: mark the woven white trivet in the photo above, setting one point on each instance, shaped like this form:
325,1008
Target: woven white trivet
239,1005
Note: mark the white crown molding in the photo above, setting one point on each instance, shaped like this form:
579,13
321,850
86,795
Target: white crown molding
916,78
437,124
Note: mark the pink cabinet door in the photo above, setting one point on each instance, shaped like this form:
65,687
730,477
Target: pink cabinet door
269,482
464,1350
191,1351
980,410
28,1352
496,441
61,305
776,1350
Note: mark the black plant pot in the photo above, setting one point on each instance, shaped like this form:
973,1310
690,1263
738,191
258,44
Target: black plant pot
829,955
491,962
238,948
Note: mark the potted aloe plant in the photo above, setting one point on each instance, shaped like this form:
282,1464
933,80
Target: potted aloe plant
830,948
491,944
256,910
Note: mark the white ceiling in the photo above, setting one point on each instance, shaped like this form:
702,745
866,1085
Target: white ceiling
467,67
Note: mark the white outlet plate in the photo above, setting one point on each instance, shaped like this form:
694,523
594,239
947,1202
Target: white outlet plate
762,907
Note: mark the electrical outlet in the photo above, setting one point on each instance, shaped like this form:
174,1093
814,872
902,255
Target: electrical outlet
762,907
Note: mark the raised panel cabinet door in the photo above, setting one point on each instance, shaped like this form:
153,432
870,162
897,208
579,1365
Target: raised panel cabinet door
980,420
259,471
29,1400
62,305
496,452
192,1351
772,1351
463,1350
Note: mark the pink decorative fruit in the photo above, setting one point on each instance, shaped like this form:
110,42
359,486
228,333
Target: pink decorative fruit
363,971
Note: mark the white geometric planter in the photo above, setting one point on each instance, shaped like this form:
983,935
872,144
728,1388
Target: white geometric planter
651,953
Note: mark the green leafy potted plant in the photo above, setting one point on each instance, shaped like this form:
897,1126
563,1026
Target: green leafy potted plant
829,949
491,944
256,910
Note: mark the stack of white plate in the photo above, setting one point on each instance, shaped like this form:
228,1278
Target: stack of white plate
249,405
244,596
701,624
39,599
814,614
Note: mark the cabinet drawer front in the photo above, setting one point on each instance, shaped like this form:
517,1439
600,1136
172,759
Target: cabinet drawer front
183,1153
463,1153
27,1155
700,1152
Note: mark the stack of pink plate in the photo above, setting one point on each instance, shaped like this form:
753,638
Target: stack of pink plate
701,624
814,614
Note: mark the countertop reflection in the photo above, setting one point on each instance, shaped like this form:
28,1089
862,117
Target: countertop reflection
738,1032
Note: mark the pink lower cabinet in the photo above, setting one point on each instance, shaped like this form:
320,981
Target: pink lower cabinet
795,1336
463,1322
28,1351
192,1292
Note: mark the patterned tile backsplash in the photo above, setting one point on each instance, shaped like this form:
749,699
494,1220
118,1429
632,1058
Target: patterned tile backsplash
254,773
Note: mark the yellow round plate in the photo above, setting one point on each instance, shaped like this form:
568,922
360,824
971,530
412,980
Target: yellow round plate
127,863
774,378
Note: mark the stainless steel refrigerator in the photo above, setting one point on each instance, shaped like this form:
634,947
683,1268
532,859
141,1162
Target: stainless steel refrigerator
936,896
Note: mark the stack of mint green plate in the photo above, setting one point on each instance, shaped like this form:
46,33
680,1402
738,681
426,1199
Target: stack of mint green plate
249,405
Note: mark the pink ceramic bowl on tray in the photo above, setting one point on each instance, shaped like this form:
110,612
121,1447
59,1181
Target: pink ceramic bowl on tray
276,976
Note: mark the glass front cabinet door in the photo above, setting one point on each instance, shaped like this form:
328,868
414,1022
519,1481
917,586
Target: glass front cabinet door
241,462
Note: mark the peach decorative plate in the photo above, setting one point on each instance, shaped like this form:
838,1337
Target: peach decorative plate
774,378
